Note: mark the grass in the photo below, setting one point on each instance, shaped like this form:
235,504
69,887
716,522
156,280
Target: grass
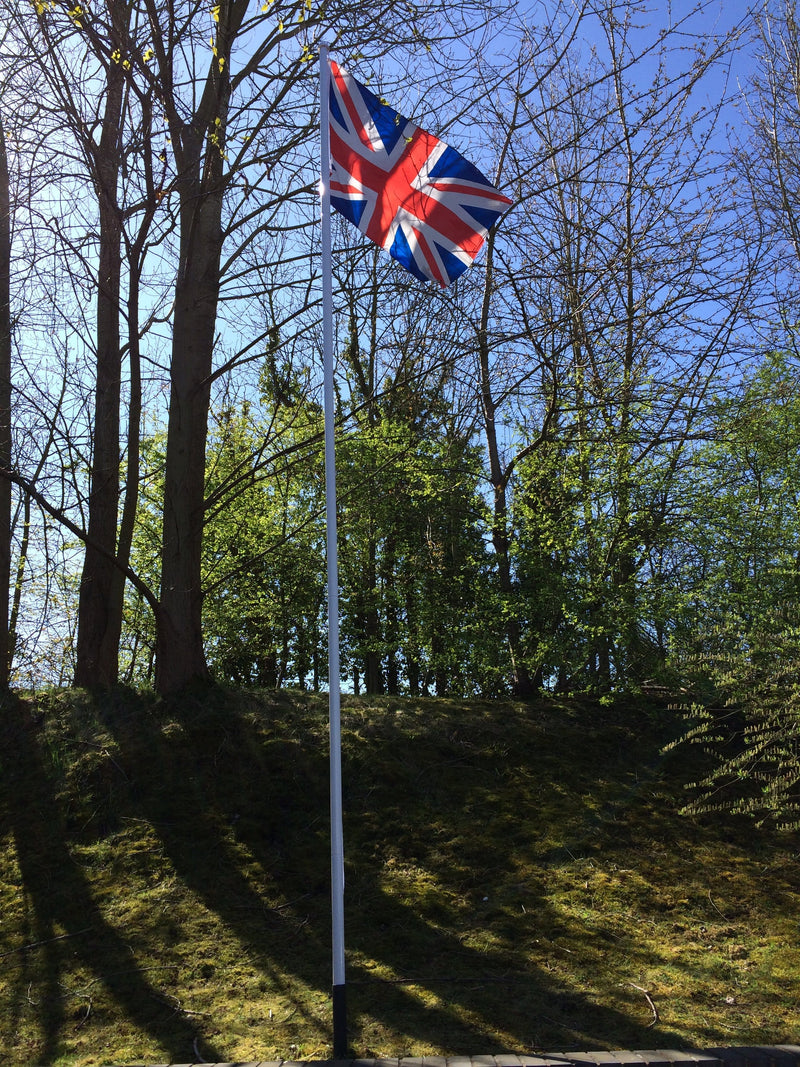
518,879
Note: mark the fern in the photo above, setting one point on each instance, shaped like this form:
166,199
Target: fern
752,732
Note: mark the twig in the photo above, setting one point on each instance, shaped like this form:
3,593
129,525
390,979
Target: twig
46,941
649,1000
477,980
176,1005
89,1006
714,906
65,995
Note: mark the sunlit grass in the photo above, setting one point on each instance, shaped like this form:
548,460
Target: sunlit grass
517,880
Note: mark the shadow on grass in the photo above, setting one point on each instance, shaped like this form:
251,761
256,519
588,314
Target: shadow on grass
65,918
217,776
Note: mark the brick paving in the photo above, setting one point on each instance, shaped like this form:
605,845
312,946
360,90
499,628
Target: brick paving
746,1056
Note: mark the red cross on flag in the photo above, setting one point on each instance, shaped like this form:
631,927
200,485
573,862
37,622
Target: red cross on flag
405,189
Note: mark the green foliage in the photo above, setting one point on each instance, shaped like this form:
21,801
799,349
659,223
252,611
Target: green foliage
754,739
412,557
741,627
741,532
138,644
263,551
621,575
591,548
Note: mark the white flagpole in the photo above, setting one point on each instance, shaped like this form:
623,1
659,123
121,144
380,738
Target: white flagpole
334,697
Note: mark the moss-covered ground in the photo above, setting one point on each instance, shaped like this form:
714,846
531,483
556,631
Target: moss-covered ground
518,879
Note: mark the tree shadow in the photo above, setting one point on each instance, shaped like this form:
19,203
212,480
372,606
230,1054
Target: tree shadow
463,996
467,943
65,919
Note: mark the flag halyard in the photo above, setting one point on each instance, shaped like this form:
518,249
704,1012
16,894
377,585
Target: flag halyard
404,188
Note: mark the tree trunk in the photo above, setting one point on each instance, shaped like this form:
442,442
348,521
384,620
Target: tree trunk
199,145
392,634
101,591
373,631
180,657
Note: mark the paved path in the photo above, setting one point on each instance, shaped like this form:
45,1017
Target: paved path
748,1056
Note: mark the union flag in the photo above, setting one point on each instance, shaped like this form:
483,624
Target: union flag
405,189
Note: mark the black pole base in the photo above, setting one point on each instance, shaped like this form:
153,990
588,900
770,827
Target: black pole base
339,1022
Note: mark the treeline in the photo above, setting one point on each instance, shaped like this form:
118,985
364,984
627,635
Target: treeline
598,598
576,469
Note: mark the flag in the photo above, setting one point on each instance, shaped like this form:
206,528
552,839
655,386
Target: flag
409,192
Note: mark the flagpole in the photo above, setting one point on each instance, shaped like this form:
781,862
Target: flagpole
334,693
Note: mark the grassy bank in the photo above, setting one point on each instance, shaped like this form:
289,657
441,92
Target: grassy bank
517,880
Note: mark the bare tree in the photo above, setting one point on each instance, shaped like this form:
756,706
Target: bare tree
202,134
768,155
233,175
610,299
92,108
